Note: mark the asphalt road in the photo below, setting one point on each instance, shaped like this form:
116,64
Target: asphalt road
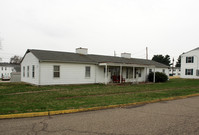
177,117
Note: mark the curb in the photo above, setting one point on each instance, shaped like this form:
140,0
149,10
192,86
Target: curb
37,114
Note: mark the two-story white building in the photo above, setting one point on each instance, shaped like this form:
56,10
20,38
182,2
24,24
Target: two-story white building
6,69
190,64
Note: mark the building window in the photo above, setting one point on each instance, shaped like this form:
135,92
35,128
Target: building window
1,68
28,69
190,59
131,73
188,71
197,72
56,71
140,73
33,71
150,70
163,70
127,73
87,71
5,68
23,71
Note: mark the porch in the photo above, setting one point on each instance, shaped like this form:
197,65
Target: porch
121,73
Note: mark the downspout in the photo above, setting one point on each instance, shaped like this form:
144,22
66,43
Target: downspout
39,73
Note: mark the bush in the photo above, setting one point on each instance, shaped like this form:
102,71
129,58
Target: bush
159,77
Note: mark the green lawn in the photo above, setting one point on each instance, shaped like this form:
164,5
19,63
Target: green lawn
20,97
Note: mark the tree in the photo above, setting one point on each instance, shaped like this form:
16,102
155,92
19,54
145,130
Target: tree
162,59
178,63
15,59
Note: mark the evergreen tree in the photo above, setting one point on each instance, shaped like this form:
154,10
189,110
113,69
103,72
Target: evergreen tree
178,63
162,59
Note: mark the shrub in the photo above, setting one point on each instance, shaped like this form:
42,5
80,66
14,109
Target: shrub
159,77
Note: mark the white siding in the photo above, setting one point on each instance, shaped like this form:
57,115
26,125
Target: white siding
6,71
30,60
100,75
193,66
69,74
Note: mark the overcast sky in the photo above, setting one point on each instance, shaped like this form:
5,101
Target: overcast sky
103,26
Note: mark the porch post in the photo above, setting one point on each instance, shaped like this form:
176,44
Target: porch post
106,74
120,74
133,74
146,74
154,76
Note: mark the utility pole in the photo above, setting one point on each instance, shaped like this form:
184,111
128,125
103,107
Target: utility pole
147,53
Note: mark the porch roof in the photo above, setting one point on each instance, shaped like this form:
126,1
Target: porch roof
125,65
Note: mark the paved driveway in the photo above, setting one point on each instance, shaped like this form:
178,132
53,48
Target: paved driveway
171,117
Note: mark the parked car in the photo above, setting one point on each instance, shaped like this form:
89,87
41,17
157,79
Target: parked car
5,78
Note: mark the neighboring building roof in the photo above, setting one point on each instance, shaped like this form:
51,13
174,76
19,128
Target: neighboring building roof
16,66
191,50
56,56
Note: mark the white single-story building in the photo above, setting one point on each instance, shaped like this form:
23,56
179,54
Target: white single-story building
190,64
42,67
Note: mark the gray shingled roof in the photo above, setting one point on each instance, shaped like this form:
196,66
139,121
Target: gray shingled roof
56,56
16,66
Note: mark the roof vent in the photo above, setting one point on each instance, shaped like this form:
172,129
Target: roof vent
82,50
126,55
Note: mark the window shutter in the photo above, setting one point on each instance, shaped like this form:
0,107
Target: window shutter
191,71
192,59
185,71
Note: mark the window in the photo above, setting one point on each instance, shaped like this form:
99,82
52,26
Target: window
127,73
1,68
5,68
33,71
163,70
87,71
188,71
23,71
150,70
135,73
197,72
56,72
140,73
131,73
28,71
189,59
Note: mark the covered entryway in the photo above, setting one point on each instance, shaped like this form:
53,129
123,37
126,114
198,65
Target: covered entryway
120,73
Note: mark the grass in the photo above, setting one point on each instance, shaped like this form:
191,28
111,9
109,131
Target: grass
21,98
